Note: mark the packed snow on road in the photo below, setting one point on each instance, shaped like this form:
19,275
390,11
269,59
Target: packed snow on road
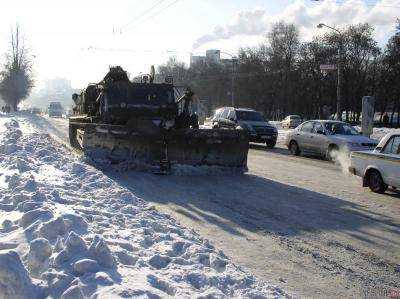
69,231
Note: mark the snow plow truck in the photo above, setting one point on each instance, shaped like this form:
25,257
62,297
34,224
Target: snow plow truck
151,124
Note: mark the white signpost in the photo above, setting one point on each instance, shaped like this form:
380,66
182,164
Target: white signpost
367,121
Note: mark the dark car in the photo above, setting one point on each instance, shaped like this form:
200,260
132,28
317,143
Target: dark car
260,131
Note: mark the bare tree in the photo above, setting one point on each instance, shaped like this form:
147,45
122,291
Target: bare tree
16,79
283,76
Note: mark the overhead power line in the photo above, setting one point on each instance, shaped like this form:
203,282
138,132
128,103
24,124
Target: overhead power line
137,18
152,16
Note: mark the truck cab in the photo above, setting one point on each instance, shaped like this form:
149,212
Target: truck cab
55,109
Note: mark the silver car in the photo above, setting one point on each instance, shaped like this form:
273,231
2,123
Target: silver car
326,138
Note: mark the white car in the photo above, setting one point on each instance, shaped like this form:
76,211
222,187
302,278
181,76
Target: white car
379,168
326,137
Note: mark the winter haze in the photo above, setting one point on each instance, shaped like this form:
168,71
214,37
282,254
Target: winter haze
79,40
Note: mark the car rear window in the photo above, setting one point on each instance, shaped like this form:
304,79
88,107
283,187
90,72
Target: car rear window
55,106
249,115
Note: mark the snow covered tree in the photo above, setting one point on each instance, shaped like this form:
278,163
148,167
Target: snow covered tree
16,79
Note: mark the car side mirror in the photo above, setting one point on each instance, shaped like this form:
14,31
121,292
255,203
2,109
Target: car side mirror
321,132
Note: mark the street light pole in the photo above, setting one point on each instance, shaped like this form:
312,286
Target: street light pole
339,82
233,83
233,77
339,72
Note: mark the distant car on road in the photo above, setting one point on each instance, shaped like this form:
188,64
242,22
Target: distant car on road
379,168
260,130
35,110
326,138
55,109
291,121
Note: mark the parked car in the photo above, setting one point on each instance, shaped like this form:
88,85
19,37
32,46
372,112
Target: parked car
55,109
291,121
260,131
326,138
379,168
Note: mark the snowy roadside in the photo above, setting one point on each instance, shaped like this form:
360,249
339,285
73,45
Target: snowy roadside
68,230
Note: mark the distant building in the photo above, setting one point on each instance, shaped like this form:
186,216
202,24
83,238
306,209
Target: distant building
197,59
212,56
57,89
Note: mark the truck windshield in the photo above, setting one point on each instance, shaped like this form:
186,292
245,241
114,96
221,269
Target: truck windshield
55,106
340,128
150,94
249,116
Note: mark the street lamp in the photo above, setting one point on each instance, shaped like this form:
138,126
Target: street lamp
233,58
339,73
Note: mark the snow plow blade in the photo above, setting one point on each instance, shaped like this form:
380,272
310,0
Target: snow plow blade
195,147
211,147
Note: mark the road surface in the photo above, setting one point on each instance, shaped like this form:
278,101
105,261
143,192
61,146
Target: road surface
301,223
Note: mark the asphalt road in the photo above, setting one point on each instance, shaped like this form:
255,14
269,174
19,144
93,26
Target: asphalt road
299,222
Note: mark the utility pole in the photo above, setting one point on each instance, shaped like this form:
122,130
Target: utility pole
339,81
339,71
233,58
233,83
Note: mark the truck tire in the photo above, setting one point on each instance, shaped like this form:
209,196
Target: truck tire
375,182
72,137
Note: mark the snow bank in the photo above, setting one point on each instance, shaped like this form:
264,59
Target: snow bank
69,231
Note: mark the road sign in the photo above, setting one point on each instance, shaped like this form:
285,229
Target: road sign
327,67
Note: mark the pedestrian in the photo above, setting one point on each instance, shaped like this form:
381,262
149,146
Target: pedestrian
385,119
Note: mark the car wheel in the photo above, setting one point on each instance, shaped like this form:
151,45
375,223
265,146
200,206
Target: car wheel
332,152
294,148
270,144
375,182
